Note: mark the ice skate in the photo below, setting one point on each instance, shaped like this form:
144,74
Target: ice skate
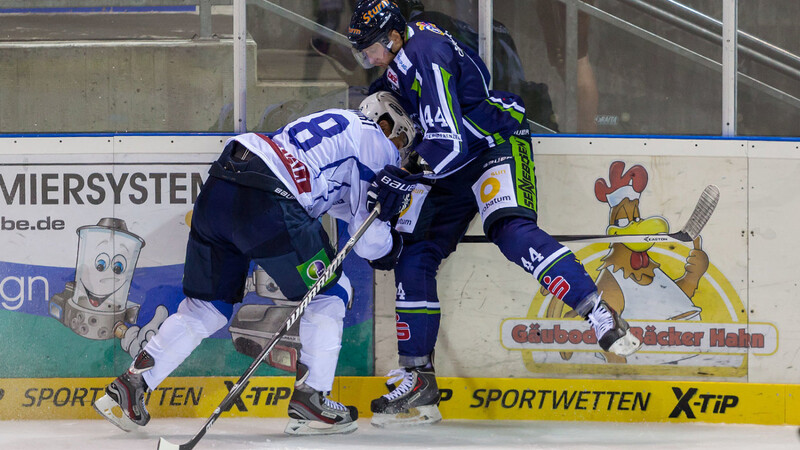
123,404
414,402
312,412
613,333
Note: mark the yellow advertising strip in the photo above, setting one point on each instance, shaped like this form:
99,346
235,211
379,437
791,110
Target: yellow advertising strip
613,400
72,398
793,404
462,398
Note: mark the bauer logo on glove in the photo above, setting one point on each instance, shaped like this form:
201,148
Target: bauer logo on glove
391,188
397,184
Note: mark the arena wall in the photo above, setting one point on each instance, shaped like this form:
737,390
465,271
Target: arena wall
740,340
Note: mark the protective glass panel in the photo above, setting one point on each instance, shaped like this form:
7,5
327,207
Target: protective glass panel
303,61
648,67
304,68
769,66
605,70
68,66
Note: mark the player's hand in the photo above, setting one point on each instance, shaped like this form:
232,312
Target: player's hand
389,260
391,188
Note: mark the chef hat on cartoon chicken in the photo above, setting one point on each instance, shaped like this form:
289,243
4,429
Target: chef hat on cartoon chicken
621,185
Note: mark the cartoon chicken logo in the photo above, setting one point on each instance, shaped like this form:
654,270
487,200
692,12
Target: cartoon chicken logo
688,315
630,280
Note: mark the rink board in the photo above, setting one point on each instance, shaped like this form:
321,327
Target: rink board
73,207
462,398
56,189
735,322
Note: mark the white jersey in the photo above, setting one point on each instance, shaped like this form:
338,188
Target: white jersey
327,160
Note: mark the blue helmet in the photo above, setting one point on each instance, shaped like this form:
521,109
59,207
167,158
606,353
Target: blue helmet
372,20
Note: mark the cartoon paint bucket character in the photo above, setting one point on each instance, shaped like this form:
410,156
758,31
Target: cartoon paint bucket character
256,324
96,303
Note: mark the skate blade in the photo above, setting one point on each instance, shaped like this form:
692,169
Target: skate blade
626,345
421,415
301,427
109,409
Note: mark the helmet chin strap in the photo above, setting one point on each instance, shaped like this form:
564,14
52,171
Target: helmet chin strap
391,44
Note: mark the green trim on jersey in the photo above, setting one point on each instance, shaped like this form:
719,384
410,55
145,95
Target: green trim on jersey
544,272
518,116
496,136
525,173
416,87
445,81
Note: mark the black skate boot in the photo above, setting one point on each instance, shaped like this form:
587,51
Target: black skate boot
312,412
414,402
123,404
612,331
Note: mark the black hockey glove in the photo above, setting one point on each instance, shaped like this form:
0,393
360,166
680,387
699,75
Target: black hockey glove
388,261
391,188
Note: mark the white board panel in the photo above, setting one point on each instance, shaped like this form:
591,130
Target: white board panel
481,292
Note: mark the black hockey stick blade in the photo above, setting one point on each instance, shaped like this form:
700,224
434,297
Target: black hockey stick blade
238,387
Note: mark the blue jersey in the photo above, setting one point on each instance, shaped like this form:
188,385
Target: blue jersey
445,85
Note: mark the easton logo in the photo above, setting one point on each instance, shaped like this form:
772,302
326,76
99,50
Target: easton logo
717,403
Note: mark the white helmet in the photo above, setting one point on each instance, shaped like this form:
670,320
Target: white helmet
382,103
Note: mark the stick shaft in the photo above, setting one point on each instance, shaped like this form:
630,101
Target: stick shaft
700,216
237,388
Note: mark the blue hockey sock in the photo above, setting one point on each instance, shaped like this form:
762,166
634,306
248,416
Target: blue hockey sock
553,265
417,303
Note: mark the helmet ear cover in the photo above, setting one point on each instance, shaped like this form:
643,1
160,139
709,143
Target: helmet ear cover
383,106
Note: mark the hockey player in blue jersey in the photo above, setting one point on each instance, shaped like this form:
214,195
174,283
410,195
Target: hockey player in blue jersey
261,203
475,156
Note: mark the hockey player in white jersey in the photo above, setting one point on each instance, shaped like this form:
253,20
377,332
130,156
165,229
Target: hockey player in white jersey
261,203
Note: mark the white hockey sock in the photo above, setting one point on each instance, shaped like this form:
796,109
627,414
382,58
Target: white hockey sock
179,335
321,335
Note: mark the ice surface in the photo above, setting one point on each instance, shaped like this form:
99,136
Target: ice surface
254,433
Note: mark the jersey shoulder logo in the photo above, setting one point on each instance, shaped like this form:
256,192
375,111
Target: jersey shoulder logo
391,75
427,26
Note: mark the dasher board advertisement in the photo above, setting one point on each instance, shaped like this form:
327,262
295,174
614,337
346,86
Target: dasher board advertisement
93,232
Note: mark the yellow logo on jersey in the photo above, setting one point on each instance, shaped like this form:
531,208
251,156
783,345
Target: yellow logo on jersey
430,27
493,186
